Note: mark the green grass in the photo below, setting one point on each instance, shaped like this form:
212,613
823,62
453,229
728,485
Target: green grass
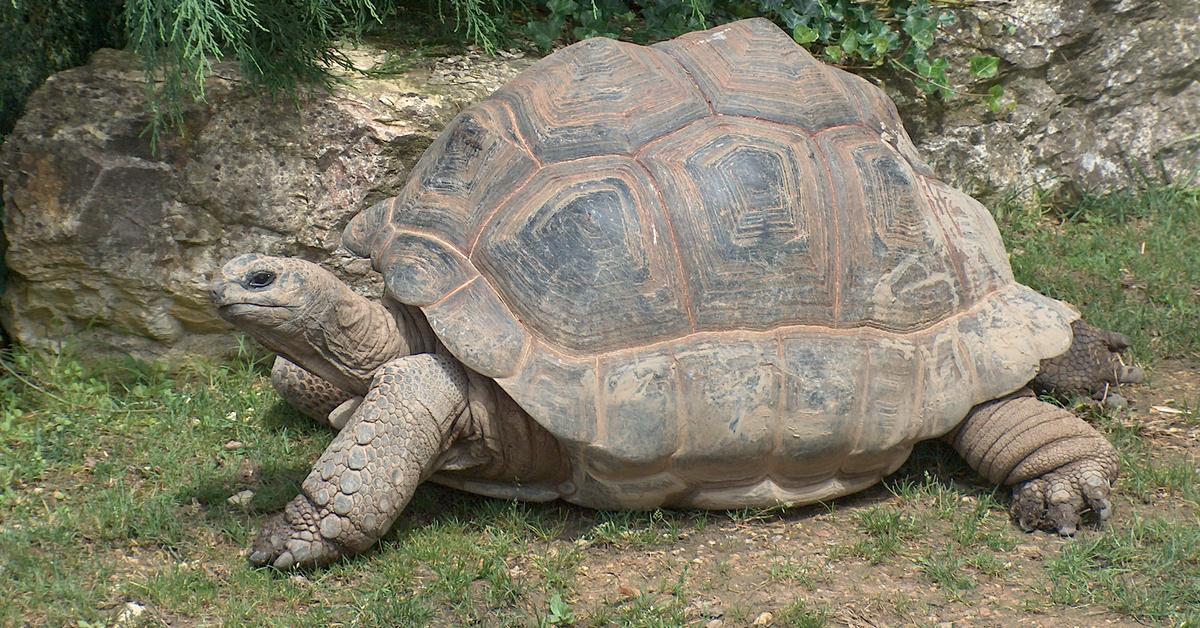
114,480
1128,261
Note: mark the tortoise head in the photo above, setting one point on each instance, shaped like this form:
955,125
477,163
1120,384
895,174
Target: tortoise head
273,298
306,314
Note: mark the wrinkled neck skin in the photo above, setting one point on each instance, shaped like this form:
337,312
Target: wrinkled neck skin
344,337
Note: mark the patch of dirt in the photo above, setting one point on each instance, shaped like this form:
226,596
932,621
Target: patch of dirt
1165,408
729,573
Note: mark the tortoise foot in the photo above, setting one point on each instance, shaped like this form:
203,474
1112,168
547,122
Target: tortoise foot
1058,500
1093,366
292,539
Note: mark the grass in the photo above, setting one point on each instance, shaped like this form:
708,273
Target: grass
114,481
1127,260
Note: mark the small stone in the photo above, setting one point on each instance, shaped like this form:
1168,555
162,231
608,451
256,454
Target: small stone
1115,402
716,623
233,445
764,619
131,612
241,499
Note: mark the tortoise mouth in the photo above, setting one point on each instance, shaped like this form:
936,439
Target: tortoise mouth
242,308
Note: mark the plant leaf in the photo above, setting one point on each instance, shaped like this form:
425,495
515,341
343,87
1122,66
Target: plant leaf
805,35
985,66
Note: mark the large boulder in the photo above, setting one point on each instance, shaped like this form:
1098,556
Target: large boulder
110,243
1106,95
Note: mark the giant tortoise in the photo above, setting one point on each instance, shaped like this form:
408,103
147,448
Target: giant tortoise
708,273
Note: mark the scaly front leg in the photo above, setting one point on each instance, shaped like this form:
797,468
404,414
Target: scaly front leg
363,481
311,395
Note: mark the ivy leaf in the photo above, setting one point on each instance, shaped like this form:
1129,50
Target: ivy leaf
995,99
923,38
560,611
805,35
849,42
923,67
985,66
562,7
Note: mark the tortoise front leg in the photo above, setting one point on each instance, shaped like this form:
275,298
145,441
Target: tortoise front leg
1059,466
409,416
313,396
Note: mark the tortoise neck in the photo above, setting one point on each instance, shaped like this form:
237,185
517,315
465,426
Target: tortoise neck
350,336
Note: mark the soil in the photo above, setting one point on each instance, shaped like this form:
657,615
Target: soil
737,573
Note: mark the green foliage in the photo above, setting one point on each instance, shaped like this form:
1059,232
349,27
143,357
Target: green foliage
1118,258
855,35
560,612
279,45
285,45
40,37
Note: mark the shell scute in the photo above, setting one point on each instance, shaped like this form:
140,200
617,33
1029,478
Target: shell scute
823,379
638,416
750,204
898,273
583,233
729,390
600,97
483,332
472,166
751,68
419,269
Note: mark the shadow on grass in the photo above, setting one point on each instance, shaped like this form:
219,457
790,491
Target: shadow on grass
277,481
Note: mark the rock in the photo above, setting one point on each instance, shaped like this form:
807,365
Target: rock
130,613
110,244
233,445
1115,402
241,499
764,619
1105,96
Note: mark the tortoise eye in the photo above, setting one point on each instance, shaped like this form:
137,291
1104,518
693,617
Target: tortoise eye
260,279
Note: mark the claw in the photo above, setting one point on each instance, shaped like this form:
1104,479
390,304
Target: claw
1058,500
290,540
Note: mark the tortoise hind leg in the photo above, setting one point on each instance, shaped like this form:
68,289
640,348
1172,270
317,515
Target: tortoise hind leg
1059,466
1089,367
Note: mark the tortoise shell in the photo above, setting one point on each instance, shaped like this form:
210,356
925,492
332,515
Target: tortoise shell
715,268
